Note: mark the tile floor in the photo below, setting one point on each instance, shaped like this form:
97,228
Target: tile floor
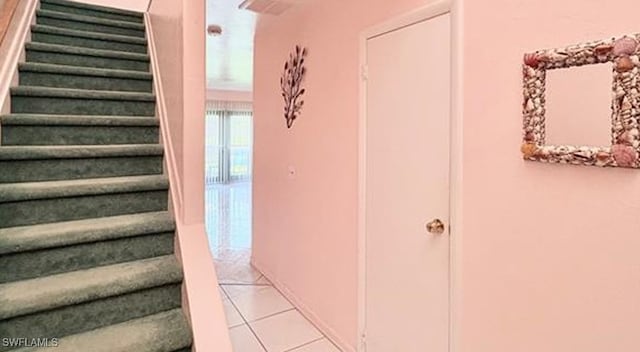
260,318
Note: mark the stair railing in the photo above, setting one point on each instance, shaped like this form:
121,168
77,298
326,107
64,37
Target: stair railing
15,22
7,9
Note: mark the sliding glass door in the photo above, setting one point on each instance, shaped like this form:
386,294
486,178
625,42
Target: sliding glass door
229,145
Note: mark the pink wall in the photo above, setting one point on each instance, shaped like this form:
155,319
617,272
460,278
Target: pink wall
180,45
177,30
166,19
194,95
549,253
548,256
134,5
305,227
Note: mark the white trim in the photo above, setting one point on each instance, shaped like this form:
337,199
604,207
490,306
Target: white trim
434,9
17,35
424,13
170,160
455,172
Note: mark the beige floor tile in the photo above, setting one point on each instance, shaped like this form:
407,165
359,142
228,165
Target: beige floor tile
285,331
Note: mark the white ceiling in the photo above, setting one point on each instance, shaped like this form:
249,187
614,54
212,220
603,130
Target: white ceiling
230,56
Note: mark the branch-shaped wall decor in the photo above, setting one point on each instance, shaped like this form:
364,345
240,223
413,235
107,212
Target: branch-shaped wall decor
291,83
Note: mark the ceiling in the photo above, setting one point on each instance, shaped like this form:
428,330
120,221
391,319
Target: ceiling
230,56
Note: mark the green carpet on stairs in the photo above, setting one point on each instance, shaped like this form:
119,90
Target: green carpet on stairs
87,252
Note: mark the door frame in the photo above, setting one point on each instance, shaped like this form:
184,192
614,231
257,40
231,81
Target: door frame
434,9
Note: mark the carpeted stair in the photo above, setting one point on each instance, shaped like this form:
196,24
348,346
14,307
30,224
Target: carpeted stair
86,240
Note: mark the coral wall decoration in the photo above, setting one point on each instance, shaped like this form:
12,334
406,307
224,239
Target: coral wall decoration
622,54
291,83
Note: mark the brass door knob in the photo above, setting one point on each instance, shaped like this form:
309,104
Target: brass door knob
435,227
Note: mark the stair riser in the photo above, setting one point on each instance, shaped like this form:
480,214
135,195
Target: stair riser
78,135
86,61
87,42
43,211
92,315
70,106
89,12
64,80
89,27
79,168
29,265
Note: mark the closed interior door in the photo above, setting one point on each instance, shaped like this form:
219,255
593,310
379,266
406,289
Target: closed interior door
407,186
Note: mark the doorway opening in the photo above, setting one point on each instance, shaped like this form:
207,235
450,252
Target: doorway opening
229,139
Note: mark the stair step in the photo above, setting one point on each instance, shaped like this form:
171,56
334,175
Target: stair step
77,120
74,77
94,40
60,234
32,203
91,315
91,10
50,261
86,57
163,332
64,101
23,129
17,153
48,163
28,252
49,292
89,23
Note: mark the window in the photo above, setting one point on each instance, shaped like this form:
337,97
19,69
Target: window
229,142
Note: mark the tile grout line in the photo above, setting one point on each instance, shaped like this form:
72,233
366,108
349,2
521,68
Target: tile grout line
255,335
305,318
248,323
272,315
245,321
242,284
305,344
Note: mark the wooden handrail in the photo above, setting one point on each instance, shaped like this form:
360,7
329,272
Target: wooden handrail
7,9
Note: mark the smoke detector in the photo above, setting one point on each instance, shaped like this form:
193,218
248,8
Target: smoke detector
214,30
270,7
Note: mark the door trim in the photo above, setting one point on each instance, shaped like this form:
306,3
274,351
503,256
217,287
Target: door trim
437,8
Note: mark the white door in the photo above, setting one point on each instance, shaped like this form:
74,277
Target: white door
407,186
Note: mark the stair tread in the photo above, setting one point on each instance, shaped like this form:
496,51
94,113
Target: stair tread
71,93
12,192
83,71
94,7
78,151
77,120
41,28
77,50
49,292
162,332
35,237
90,19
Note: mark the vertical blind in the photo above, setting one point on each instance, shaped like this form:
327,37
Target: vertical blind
229,141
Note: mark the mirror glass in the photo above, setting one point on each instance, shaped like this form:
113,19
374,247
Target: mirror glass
578,106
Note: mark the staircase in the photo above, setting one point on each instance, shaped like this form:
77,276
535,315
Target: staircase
86,241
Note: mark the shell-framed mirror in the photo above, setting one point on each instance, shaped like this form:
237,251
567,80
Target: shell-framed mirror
624,149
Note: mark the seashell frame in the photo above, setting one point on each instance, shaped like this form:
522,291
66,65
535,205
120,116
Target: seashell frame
624,150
